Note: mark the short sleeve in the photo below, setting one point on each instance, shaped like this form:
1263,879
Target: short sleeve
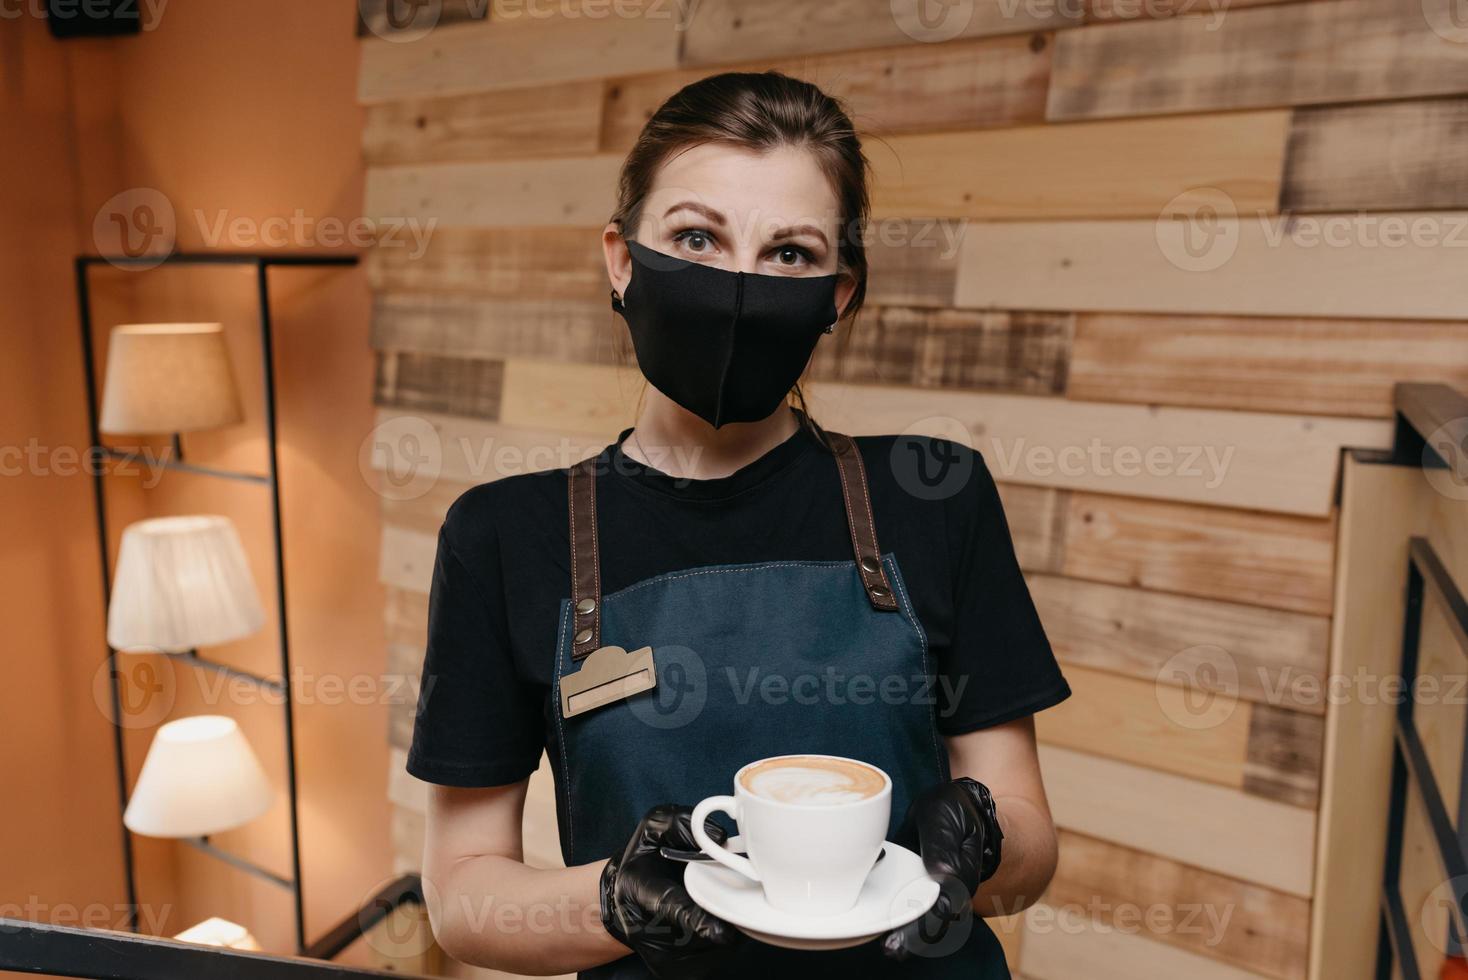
999,665
478,723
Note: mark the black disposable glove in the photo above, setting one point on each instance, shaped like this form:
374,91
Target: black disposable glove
645,906
957,833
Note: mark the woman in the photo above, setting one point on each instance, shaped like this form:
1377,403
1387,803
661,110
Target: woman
802,593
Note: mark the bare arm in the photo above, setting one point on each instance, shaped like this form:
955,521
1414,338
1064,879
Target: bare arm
488,908
1004,759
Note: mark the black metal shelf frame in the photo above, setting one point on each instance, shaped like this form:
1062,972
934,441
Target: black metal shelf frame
262,263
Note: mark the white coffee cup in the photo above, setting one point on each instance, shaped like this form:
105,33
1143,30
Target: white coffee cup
812,832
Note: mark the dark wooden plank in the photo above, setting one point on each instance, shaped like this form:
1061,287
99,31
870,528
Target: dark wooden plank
1293,54
912,88
913,262
470,387
722,32
1316,366
1285,749
1378,157
473,326
1267,931
550,121
563,263
975,350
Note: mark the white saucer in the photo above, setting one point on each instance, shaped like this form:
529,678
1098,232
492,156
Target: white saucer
896,892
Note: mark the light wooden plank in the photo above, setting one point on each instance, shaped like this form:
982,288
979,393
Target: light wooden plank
1292,54
1121,169
558,120
1392,156
1123,718
406,559
1237,651
1381,507
566,192
1213,915
1397,265
1233,459
1037,518
1427,892
1276,560
726,31
1314,366
1189,821
1061,945
973,350
509,263
518,52
472,326
446,447
1101,11
913,88
587,398
391,19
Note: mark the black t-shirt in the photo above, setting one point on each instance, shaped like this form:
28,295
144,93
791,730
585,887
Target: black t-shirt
503,569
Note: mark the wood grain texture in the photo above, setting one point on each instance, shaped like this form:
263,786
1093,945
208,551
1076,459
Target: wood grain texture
1381,507
509,263
518,53
1398,265
1102,11
1284,755
1123,718
565,192
1235,459
471,326
1391,156
1036,518
1308,365
1291,54
1120,169
972,350
1275,560
1239,652
914,262
1062,945
726,31
390,18
474,451
914,88
433,383
1192,822
1212,915
554,121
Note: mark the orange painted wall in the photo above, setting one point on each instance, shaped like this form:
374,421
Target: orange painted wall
242,113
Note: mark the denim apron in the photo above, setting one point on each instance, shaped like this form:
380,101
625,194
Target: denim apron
752,660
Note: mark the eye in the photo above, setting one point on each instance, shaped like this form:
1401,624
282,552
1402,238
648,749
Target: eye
793,257
695,240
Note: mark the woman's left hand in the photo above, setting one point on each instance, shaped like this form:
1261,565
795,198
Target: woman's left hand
957,832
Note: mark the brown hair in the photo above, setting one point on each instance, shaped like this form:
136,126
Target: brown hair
759,111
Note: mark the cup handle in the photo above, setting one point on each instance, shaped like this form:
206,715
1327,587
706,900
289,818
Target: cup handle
729,805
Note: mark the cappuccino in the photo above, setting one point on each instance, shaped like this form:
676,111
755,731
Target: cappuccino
813,780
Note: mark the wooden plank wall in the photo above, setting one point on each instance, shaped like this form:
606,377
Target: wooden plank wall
1204,234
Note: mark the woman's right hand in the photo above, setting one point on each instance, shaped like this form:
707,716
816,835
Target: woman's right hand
645,906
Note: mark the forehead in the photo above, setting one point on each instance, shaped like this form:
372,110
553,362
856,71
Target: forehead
755,191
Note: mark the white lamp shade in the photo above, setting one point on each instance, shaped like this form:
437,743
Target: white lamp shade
219,932
181,583
168,377
200,777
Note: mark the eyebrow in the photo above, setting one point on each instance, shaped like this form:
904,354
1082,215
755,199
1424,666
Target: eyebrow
718,218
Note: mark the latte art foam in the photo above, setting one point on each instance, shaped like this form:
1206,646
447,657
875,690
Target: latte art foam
813,781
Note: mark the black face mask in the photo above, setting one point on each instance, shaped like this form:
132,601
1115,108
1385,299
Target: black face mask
727,346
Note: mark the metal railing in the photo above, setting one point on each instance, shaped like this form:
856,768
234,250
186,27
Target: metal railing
1421,411
104,954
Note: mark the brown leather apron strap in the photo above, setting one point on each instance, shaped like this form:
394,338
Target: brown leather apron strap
858,500
585,559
